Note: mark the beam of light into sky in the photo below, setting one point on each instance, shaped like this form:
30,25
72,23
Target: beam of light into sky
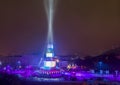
50,8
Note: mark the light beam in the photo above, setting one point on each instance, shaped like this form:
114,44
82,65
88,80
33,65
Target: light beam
50,8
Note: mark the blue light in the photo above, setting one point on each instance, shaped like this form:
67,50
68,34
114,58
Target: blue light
49,64
50,52
49,55
50,46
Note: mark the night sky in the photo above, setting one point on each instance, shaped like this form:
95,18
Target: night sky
87,27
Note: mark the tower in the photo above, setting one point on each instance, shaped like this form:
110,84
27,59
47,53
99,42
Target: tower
49,62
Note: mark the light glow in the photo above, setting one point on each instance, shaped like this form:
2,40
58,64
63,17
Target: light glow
49,54
49,64
50,46
50,8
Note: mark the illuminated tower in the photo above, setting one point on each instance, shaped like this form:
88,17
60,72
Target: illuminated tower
50,52
49,55
48,60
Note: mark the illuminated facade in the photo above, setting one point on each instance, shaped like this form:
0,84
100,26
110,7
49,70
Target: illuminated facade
50,52
49,61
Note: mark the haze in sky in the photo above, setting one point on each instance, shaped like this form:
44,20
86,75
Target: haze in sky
88,27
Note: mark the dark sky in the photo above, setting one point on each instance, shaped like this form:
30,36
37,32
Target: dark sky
88,27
